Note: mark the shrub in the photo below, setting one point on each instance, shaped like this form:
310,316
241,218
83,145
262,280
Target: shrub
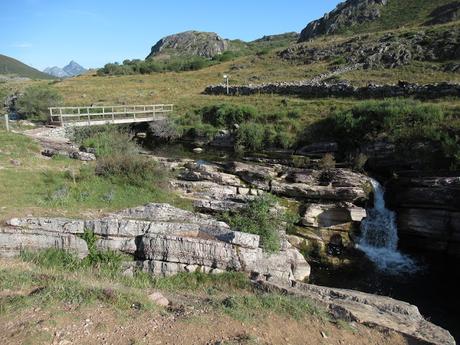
108,140
227,115
132,169
400,121
35,101
251,136
258,218
327,162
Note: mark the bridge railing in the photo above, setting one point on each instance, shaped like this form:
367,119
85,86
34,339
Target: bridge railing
97,115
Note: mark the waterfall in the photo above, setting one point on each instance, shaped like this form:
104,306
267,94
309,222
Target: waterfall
379,237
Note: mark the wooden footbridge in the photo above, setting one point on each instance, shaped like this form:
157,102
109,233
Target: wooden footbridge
102,115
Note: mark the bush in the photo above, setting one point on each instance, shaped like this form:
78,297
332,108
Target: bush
251,136
402,122
35,101
106,140
327,162
227,115
258,218
131,169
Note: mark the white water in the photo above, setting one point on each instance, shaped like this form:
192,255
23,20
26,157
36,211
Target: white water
379,237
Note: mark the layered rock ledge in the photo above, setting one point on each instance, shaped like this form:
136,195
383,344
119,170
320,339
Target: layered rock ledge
372,310
162,240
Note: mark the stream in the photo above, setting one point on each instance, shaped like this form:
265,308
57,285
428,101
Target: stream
426,280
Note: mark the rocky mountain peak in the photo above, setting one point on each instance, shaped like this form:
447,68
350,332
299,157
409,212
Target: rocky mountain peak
205,44
346,14
70,70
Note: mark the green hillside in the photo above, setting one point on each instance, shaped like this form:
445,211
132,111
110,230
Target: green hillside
13,67
403,13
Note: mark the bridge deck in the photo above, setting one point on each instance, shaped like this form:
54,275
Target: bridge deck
101,115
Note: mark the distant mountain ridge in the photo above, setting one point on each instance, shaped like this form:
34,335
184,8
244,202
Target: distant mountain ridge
71,70
13,67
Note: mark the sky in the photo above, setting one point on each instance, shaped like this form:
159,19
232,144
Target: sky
43,33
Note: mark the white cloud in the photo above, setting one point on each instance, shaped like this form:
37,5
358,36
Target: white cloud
22,45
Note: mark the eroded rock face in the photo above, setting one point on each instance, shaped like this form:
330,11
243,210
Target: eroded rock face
428,212
387,51
346,14
162,240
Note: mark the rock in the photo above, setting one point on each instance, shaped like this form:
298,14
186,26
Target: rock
256,175
346,14
197,150
308,192
318,149
209,172
15,240
82,156
428,211
205,44
340,217
163,240
370,309
159,299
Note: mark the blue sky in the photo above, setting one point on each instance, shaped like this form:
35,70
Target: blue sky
44,33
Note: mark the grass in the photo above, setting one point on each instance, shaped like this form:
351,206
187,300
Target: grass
10,66
66,187
54,277
400,13
257,306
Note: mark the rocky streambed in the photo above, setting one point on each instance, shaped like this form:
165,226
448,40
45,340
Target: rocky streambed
163,240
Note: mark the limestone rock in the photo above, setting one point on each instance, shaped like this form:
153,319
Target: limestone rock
159,299
371,310
332,216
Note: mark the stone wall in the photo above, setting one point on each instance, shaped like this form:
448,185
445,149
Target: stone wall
323,90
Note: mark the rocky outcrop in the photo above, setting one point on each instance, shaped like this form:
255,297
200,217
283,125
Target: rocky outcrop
330,201
371,310
428,211
162,240
388,50
444,14
346,14
342,89
190,43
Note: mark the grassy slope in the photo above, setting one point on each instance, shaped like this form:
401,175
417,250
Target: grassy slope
13,67
42,186
47,298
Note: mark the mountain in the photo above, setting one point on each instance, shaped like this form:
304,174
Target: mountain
357,16
13,67
197,43
56,72
70,70
74,69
